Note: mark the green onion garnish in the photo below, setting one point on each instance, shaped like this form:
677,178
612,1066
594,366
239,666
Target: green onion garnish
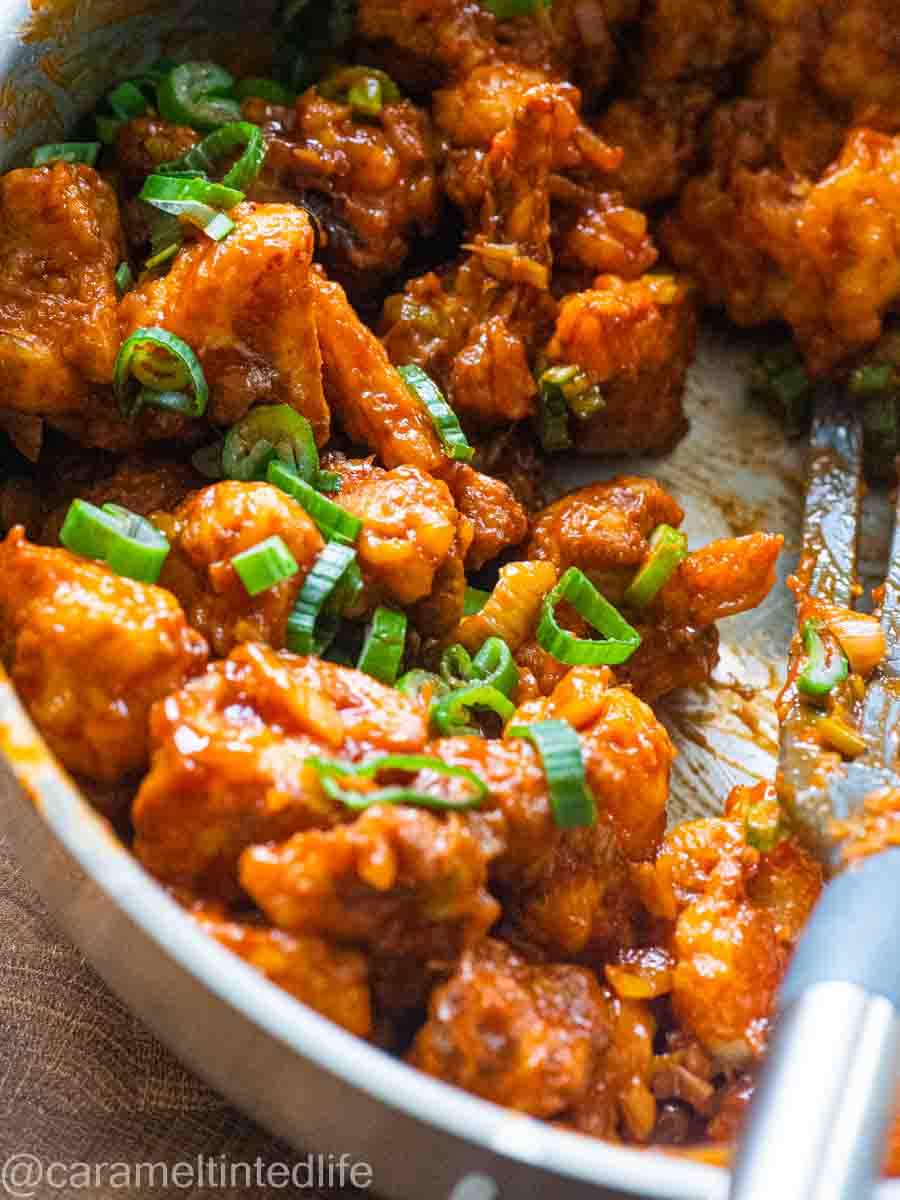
474,601
553,412
493,666
383,646
222,143
167,368
417,681
270,432
198,94
108,128
763,826
668,547
583,398
873,379
821,673
365,89
330,772
621,640
73,152
127,101
506,10
265,565
446,423
327,571
449,714
265,89
560,749
195,200
124,278
125,541
334,523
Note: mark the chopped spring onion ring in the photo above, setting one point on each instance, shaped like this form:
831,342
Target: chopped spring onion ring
668,547
583,398
841,736
194,200
72,152
365,89
763,827
264,89
474,601
329,481
270,432
383,647
559,746
418,683
448,713
822,672
330,772
198,94
219,227
160,259
621,640
303,636
492,666
125,541
553,414
873,379
506,10
265,565
446,423
124,278
159,356
222,143
334,523
127,101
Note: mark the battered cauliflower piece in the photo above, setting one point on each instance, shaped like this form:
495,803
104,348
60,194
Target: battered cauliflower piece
428,36
860,64
146,143
410,527
371,400
60,244
497,519
90,652
205,533
635,341
332,979
229,753
406,885
245,307
371,181
694,39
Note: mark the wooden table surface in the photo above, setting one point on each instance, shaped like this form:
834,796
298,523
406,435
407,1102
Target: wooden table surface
83,1082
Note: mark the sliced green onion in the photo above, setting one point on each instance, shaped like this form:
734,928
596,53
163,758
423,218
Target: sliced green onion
73,152
446,423
329,481
208,460
124,278
222,143
583,398
165,238
668,547
621,640
448,714
219,227
194,200
265,565
108,128
493,666
159,356
303,636
128,543
334,523
365,89
780,378
416,682
873,379
842,737
474,601
265,89
821,672
507,10
383,647
198,94
127,101
559,746
269,433
553,412
763,826
160,259
330,772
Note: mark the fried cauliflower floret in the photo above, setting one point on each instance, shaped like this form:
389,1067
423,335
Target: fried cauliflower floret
146,143
330,978
406,885
371,400
498,520
491,381
596,232
435,35
725,577
691,39
90,652
371,181
206,531
528,1037
410,527
60,244
634,341
229,754
861,60
245,307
